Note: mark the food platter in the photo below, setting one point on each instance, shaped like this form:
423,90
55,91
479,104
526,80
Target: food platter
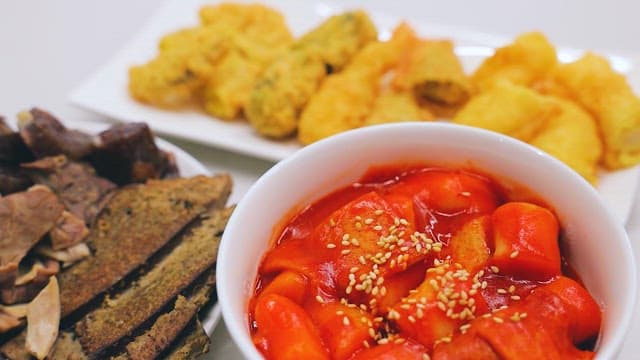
105,91
188,167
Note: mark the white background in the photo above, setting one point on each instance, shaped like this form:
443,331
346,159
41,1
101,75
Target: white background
48,47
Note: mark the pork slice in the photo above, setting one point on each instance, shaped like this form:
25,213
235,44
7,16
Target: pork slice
43,320
80,189
69,230
195,253
45,135
25,218
135,224
13,150
127,153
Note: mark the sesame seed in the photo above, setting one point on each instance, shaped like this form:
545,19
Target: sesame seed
339,312
383,341
404,222
319,299
345,321
523,315
465,327
405,306
355,242
515,297
426,356
512,289
377,228
514,254
378,212
372,333
495,269
368,221
345,237
332,222
515,317
465,193
411,318
331,246
358,225
502,291
362,260
345,252
484,285
498,320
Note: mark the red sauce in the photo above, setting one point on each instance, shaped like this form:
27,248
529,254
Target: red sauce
419,260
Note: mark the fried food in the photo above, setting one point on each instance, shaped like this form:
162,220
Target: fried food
572,137
528,58
606,94
509,109
434,73
395,106
264,36
288,83
188,59
344,100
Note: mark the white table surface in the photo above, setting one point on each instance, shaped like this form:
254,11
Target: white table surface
48,47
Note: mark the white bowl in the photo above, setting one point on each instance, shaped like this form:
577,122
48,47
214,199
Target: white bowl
597,245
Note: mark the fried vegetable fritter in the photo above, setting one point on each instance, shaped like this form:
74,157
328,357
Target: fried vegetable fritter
288,83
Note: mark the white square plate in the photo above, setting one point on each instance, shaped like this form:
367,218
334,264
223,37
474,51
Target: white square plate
106,90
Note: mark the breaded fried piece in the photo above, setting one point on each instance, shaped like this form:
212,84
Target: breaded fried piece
594,84
263,35
531,56
194,343
288,83
345,99
434,73
395,106
127,232
189,58
196,251
572,137
508,109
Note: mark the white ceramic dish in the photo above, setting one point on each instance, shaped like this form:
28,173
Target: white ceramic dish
335,162
188,166
106,92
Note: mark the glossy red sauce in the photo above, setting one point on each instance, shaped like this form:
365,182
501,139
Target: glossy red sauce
414,227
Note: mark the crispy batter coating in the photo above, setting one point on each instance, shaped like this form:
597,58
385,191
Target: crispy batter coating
232,37
509,109
433,71
529,57
345,99
572,137
288,83
395,106
606,94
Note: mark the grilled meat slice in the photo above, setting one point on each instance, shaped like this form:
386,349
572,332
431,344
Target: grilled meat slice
45,135
24,219
127,153
69,230
136,223
80,189
196,251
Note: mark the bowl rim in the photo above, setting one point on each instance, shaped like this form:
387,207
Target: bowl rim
239,332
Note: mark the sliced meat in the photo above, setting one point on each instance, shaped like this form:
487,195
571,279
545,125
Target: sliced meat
25,218
45,135
68,256
127,153
137,222
38,271
43,320
69,230
196,252
13,179
80,189
8,322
